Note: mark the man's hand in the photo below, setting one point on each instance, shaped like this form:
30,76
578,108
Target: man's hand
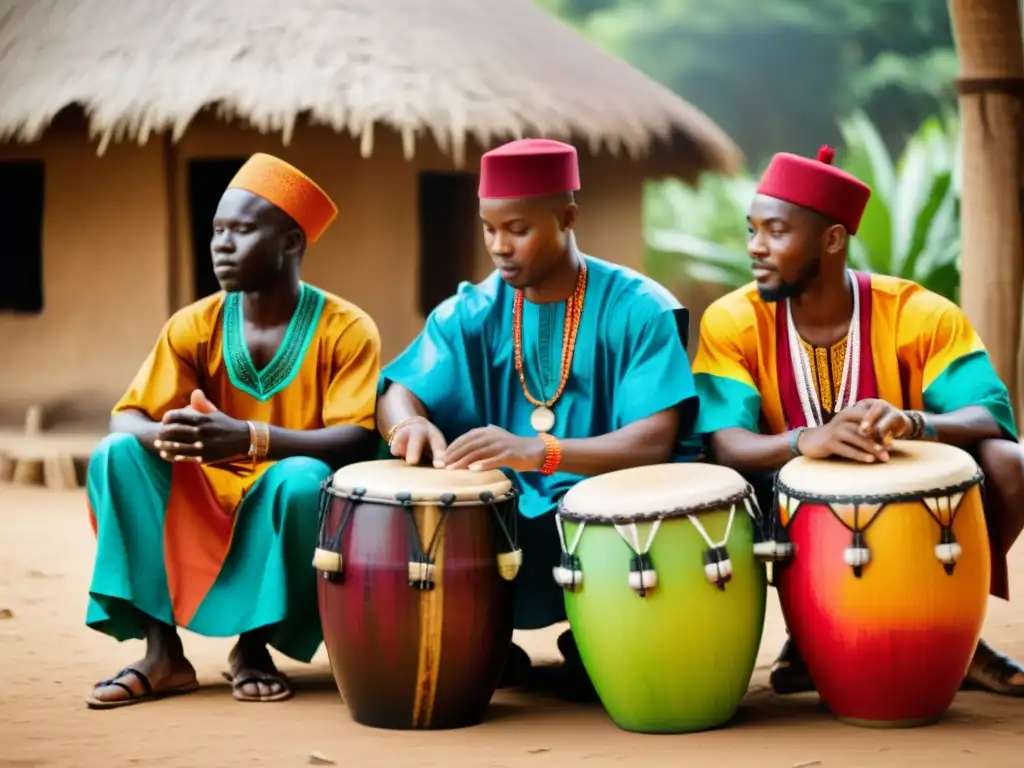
416,440
200,434
844,436
884,422
493,448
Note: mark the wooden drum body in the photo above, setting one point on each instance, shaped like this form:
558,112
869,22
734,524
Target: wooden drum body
663,594
416,595
886,588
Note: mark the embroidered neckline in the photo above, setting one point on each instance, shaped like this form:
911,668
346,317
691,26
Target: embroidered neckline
284,367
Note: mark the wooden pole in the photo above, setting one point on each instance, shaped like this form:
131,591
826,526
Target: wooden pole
991,92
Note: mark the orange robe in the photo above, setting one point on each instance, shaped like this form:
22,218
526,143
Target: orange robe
324,374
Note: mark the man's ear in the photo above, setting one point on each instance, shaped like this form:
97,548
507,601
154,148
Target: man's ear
833,239
569,217
294,243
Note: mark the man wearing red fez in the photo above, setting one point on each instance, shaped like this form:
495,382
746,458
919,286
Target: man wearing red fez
816,359
549,369
204,495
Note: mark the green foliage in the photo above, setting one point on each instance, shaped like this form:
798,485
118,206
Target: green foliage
775,74
911,227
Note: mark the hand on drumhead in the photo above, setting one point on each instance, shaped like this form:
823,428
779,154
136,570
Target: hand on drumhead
841,437
417,440
882,421
492,447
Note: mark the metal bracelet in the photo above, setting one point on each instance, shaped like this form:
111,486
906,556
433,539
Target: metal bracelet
794,440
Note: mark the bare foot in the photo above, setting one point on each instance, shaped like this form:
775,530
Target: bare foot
254,677
150,678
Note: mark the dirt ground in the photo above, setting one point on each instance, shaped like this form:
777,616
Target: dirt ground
49,660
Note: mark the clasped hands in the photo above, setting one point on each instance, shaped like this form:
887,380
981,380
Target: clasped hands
863,432
478,450
201,434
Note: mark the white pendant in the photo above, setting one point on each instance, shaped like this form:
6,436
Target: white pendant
542,419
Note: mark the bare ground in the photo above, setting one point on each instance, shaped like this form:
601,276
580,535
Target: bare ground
49,660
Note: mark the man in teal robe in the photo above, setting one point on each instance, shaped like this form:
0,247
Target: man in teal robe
455,393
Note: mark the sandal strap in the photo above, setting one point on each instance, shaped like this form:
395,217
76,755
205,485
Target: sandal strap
995,664
147,687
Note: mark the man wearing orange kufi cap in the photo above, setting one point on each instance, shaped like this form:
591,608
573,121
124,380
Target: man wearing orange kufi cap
813,358
557,366
201,495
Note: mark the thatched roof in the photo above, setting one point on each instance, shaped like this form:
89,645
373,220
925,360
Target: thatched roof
490,69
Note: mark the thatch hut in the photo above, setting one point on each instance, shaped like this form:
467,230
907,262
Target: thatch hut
120,123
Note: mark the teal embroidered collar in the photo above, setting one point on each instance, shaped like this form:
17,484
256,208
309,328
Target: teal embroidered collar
284,367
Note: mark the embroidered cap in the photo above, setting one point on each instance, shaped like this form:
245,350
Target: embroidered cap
818,185
529,168
289,189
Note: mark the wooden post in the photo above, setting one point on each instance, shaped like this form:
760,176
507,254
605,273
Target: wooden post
991,89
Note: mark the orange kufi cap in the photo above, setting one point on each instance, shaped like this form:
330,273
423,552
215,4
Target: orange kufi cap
290,190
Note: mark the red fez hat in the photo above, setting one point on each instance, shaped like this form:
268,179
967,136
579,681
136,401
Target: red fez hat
529,168
818,185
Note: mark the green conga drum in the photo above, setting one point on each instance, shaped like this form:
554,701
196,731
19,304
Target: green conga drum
662,592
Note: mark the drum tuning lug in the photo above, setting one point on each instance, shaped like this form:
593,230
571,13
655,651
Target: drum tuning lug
568,579
642,576
329,563
643,582
568,574
857,558
717,566
857,555
509,564
772,551
948,553
421,575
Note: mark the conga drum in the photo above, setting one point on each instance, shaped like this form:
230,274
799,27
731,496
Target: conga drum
416,593
885,590
663,594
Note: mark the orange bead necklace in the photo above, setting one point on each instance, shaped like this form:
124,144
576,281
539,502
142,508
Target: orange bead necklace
543,418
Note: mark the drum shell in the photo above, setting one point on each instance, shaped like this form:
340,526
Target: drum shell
679,659
405,658
891,647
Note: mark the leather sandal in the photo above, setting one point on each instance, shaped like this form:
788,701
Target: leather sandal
991,671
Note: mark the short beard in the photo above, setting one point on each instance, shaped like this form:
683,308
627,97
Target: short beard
793,289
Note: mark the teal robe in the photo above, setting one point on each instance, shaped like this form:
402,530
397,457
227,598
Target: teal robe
629,363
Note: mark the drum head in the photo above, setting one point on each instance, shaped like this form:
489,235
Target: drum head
914,469
653,492
392,480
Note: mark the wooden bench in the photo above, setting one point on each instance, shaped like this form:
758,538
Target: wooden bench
34,457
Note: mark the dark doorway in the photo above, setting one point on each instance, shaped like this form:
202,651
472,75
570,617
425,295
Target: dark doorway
449,219
207,180
21,221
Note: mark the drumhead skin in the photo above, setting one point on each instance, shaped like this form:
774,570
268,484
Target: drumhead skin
653,492
914,469
386,479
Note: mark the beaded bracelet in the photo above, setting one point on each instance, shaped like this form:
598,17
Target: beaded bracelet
552,454
921,429
403,423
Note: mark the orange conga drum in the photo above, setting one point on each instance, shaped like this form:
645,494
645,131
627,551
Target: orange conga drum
886,584
416,591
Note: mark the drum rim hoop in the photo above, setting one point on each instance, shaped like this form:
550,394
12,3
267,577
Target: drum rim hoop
665,514
349,494
809,497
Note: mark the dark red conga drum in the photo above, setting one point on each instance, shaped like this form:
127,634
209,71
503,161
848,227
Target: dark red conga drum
416,596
